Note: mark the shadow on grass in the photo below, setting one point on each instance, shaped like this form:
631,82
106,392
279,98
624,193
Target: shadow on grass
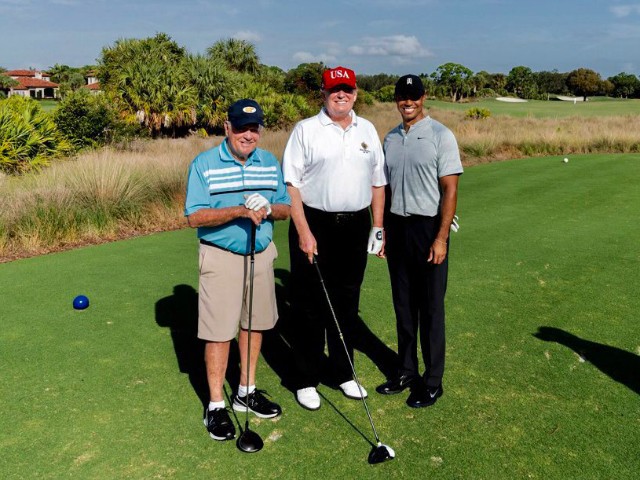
346,419
279,344
179,313
621,365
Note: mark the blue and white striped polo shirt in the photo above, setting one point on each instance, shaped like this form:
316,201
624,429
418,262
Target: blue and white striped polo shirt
218,180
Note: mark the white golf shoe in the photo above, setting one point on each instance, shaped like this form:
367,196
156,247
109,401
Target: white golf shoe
352,390
308,398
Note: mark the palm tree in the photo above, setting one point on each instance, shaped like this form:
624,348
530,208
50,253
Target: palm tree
238,55
147,78
215,85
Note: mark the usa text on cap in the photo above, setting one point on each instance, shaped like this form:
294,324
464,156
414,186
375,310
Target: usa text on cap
338,76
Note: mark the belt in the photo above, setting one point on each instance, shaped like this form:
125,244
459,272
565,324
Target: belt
338,217
210,244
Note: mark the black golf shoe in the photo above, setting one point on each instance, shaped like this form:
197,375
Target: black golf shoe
396,385
423,395
258,404
219,424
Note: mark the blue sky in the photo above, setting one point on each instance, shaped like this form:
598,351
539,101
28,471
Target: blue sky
369,36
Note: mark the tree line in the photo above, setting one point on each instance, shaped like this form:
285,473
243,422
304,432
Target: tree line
457,82
155,87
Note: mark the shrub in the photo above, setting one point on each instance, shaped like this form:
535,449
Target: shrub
89,120
477,113
84,118
386,93
364,98
486,93
29,138
281,110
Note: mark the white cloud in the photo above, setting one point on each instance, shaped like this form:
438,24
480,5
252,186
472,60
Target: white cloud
402,47
625,10
308,57
248,36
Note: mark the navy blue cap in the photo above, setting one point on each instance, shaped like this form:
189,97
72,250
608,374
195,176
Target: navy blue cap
245,112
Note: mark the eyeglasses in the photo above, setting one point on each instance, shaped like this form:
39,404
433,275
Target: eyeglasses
342,88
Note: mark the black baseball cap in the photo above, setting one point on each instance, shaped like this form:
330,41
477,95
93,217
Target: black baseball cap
409,86
245,112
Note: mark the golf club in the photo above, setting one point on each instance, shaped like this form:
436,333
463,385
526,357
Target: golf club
380,452
248,441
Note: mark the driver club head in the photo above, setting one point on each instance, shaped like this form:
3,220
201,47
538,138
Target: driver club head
381,453
249,441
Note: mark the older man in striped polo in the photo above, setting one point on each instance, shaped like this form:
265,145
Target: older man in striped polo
231,187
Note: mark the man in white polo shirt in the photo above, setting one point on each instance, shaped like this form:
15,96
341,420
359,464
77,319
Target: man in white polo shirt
334,169
423,166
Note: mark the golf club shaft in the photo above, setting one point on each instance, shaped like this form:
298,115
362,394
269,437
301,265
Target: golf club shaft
251,272
346,350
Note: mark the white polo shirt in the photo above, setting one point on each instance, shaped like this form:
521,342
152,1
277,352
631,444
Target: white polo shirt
334,168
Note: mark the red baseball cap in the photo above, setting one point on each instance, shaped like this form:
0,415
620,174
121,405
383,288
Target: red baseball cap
338,76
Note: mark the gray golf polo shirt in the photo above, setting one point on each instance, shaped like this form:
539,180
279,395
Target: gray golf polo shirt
415,161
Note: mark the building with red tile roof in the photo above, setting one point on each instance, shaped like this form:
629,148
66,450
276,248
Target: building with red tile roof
32,83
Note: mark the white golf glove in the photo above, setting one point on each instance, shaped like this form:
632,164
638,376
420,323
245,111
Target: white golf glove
374,245
454,224
256,201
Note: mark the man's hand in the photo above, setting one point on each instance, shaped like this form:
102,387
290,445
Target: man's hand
376,241
256,202
256,216
307,243
437,252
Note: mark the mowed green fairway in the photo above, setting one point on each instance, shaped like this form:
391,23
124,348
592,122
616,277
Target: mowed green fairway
595,107
100,393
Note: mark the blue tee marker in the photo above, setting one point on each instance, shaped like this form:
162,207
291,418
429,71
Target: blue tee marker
80,302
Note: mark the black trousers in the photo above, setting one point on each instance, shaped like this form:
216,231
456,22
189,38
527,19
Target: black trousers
342,258
418,288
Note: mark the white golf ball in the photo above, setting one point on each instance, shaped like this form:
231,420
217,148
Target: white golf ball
566,160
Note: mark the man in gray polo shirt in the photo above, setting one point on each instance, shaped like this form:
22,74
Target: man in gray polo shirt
423,165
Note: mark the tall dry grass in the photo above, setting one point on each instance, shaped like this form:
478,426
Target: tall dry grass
99,196
112,193
505,137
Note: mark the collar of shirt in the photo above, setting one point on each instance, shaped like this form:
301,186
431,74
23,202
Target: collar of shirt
226,156
326,120
422,123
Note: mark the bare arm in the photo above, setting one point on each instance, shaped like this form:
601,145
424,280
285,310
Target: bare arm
307,242
449,187
377,212
377,205
280,211
212,217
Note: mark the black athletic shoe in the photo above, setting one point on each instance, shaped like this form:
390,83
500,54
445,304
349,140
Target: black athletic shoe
424,396
396,385
219,424
258,404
